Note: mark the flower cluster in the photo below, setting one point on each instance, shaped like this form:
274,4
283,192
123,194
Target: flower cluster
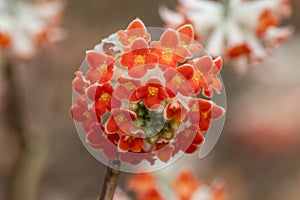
137,99
26,26
184,187
243,31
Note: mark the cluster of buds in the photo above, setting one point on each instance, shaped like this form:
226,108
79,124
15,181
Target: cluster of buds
184,187
245,32
138,99
25,27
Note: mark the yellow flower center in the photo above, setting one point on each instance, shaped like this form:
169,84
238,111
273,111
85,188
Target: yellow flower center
102,69
131,39
152,91
187,133
87,114
105,97
139,60
194,108
120,118
167,53
205,115
177,80
129,86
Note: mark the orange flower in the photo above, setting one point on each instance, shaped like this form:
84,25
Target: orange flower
79,83
138,59
209,70
152,194
136,29
237,51
178,80
169,50
130,143
266,20
185,185
5,40
153,93
174,110
102,95
140,183
82,113
187,36
101,67
120,121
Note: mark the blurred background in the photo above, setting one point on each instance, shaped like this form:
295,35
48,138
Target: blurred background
257,154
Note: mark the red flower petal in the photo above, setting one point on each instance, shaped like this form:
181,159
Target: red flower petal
111,126
186,33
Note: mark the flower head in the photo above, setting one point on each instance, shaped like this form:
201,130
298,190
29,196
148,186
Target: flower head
142,95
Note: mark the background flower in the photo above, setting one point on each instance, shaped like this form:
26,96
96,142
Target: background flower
245,32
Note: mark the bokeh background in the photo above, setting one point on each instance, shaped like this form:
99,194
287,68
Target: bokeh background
257,154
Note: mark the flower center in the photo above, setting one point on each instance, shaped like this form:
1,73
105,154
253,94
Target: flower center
102,69
129,86
87,114
194,108
152,91
187,133
131,39
139,60
120,118
167,53
177,80
105,97
205,115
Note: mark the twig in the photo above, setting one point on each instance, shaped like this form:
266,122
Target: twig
109,184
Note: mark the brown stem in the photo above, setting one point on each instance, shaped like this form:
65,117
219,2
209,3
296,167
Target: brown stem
109,184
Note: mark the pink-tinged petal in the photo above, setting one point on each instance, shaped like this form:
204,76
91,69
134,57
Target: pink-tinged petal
82,103
204,64
217,84
79,83
95,59
187,71
91,92
217,112
139,44
137,72
186,33
182,53
93,75
165,153
95,139
111,126
169,39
